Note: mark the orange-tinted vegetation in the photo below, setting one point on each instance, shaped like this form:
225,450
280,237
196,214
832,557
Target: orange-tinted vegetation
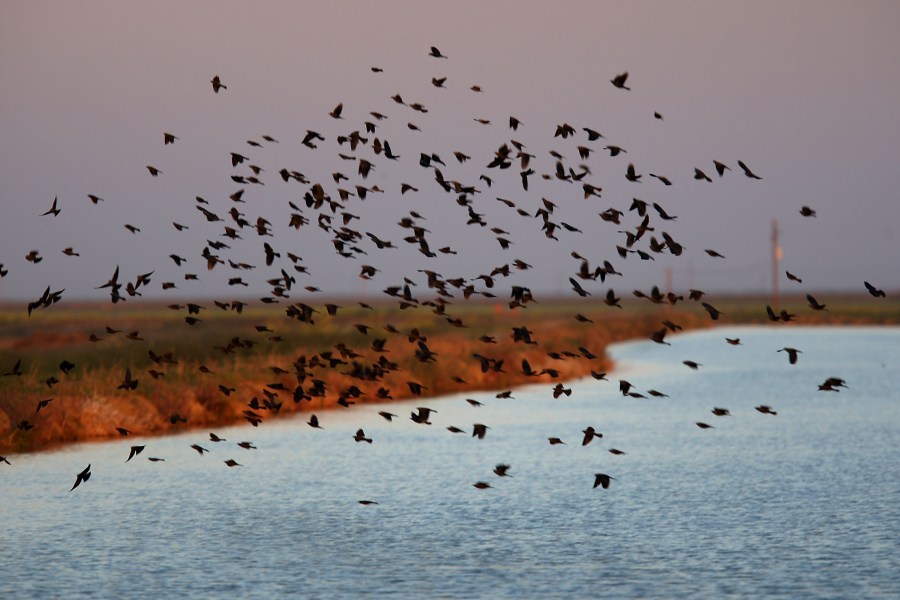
150,372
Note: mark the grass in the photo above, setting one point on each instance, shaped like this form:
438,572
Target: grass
263,369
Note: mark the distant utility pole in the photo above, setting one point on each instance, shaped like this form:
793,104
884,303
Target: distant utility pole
777,255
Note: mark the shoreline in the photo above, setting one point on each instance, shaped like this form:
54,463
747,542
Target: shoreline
87,406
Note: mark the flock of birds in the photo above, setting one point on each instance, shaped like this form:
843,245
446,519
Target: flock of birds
327,205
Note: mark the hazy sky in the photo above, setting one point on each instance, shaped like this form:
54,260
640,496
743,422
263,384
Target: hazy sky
805,93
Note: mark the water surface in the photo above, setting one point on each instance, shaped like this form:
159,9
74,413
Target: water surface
803,504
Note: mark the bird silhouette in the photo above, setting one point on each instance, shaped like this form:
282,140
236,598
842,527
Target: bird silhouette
659,336
128,383
630,174
576,287
602,480
721,167
875,292
589,434
217,84
698,174
832,384
135,450
611,299
360,436
619,81
53,209
82,477
713,312
16,370
747,171
792,354
421,415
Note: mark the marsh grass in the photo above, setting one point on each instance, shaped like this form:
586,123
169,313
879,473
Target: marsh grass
87,403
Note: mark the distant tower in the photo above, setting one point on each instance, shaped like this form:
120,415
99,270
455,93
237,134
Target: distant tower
777,254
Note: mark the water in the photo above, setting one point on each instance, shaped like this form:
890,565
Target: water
803,504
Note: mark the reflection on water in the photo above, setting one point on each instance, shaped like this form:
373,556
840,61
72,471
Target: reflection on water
799,505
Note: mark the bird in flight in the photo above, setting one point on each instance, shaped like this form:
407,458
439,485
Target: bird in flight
421,415
747,171
217,84
875,292
53,209
82,477
135,450
814,304
589,434
619,81
602,480
792,354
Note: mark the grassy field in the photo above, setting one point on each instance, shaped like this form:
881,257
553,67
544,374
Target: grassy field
229,366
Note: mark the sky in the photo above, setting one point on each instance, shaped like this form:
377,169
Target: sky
804,93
